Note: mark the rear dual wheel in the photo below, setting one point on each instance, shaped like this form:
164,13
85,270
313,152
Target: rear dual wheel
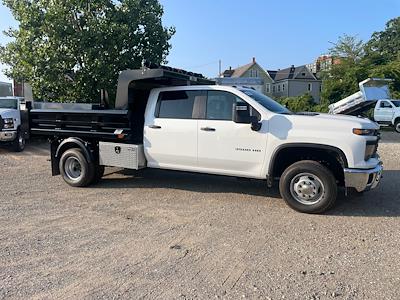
77,171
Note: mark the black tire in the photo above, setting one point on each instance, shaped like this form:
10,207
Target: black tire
308,187
98,173
75,169
18,144
397,126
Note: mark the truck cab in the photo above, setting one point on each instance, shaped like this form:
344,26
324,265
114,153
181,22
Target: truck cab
387,112
13,122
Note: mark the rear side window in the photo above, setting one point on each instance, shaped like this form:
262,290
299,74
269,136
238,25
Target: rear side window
176,104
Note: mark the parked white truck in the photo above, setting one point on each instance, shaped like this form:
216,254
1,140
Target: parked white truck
13,122
387,112
169,119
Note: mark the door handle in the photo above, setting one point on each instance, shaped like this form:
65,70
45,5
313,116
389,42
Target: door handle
154,126
207,129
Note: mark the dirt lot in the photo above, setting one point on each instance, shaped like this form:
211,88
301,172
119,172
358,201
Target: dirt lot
164,235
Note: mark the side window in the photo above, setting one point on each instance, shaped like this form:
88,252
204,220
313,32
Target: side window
252,111
385,104
176,104
219,105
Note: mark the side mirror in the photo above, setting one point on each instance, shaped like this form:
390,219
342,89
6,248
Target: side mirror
241,115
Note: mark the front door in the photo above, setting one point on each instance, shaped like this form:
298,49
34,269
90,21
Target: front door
384,112
226,147
170,137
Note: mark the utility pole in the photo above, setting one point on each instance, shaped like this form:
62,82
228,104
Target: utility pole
220,71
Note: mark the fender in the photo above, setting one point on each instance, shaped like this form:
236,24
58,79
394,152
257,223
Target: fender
336,150
72,142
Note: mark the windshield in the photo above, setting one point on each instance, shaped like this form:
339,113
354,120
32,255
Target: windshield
8,103
267,102
396,103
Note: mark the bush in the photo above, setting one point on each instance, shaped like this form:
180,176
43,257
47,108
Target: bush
303,103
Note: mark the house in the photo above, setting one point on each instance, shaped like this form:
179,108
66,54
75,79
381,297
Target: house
295,81
250,75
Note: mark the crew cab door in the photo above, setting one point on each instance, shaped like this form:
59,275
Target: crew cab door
384,111
226,147
170,131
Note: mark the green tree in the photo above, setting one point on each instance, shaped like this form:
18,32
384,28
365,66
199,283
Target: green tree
301,103
384,46
379,57
69,50
348,47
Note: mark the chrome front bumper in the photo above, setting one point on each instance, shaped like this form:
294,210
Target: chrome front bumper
363,180
8,136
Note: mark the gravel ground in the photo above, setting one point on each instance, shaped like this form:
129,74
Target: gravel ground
169,235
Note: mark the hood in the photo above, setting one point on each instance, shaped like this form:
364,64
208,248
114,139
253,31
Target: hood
331,122
8,113
363,122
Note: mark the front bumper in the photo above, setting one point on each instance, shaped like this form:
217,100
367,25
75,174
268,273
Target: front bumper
8,136
363,180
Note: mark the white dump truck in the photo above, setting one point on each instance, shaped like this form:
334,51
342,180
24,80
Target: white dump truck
373,92
171,119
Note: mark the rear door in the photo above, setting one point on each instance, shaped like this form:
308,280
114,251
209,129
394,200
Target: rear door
170,135
384,111
226,147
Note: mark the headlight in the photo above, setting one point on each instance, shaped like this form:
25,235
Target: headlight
360,131
8,123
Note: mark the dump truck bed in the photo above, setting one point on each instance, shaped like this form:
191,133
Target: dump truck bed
125,122
371,90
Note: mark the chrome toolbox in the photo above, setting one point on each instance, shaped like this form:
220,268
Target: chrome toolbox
129,156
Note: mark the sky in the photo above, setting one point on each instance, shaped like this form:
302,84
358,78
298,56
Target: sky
277,33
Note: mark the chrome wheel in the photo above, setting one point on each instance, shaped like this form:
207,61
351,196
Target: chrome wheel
21,142
73,168
397,127
307,188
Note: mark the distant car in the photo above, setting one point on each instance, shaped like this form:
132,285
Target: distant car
387,112
14,125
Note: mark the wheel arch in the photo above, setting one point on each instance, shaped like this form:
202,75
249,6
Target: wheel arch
72,142
335,158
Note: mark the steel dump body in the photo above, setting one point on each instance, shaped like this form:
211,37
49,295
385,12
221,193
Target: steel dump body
371,90
81,123
125,122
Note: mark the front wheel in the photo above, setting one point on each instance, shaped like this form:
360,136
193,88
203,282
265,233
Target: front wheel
75,169
397,126
308,187
19,143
